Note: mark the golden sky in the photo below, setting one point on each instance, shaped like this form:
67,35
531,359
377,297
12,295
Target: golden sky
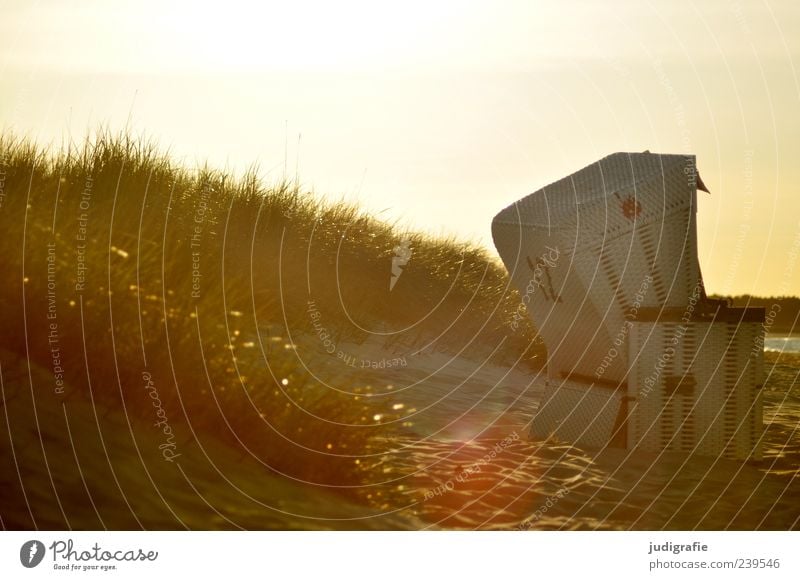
439,114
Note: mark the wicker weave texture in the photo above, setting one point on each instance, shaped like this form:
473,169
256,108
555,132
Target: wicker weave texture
572,412
587,253
696,388
582,249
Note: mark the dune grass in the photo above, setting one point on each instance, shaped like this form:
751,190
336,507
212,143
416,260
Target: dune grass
122,268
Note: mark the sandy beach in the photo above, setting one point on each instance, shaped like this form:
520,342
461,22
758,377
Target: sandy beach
469,465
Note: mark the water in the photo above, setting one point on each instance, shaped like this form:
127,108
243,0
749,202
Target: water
782,343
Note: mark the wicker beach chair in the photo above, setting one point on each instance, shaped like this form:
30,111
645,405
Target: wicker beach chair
590,254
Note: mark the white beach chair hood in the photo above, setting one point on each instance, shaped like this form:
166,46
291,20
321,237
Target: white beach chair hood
588,250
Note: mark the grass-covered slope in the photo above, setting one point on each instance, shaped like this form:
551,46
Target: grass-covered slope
181,297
